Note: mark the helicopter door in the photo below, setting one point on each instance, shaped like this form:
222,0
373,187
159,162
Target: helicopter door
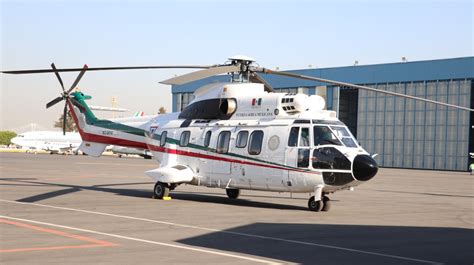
221,169
239,175
297,155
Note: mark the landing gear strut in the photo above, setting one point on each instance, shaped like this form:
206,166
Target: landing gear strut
161,190
319,202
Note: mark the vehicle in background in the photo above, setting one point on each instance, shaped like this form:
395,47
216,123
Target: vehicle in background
121,151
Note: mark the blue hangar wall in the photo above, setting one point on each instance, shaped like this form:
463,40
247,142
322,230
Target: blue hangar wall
405,133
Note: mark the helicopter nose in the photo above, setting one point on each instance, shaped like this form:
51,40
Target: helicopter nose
364,167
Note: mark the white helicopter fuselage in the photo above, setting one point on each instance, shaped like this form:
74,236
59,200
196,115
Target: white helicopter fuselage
277,167
269,143
237,136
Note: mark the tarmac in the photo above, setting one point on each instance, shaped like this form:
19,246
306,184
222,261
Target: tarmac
58,209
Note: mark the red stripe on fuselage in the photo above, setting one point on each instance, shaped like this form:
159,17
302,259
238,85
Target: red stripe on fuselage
224,159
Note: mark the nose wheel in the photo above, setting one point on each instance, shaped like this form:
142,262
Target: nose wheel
319,205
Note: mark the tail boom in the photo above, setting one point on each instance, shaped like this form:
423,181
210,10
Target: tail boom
97,134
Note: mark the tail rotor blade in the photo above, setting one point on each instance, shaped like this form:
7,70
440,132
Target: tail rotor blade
58,76
64,118
84,69
53,102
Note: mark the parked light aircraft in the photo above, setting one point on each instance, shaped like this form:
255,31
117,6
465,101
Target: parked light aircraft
121,151
50,141
237,135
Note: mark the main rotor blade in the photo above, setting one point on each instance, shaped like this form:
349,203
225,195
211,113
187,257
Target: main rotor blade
57,75
255,78
84,69
197,75
40,71
343,84
64,118
53,102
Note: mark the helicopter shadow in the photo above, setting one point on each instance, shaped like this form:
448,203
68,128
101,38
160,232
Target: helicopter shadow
69,189
223,200
139,193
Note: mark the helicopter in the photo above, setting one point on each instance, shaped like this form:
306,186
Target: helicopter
237,135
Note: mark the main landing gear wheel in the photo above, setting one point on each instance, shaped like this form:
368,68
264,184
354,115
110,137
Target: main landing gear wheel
323,205
232,193
315,206
161,190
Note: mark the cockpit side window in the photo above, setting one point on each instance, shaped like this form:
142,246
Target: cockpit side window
323,136
304,138
303,158
293,137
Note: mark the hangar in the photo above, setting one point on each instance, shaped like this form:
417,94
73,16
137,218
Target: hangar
404,133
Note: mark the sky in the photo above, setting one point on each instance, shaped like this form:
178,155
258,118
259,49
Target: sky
284,34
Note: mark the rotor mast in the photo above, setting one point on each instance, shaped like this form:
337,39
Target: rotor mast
243,63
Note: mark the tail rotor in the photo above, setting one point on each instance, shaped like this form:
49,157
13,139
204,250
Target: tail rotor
65,95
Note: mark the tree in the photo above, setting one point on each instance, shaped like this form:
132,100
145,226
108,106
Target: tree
162,110
70,124
6,136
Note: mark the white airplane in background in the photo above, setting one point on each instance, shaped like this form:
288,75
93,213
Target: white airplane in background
51,141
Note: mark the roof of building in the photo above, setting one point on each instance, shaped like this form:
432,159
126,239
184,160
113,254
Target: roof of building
441,69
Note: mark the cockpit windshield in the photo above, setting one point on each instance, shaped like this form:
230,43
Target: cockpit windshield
323,136
345,136
333,135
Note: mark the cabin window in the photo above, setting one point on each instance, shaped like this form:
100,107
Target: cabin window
207,138
293,138
344,135
303,158
255,143
184,140
323,135
304,138
242,138
223,142
163,138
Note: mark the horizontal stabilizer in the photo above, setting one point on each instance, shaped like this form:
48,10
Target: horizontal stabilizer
174,174
92,149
